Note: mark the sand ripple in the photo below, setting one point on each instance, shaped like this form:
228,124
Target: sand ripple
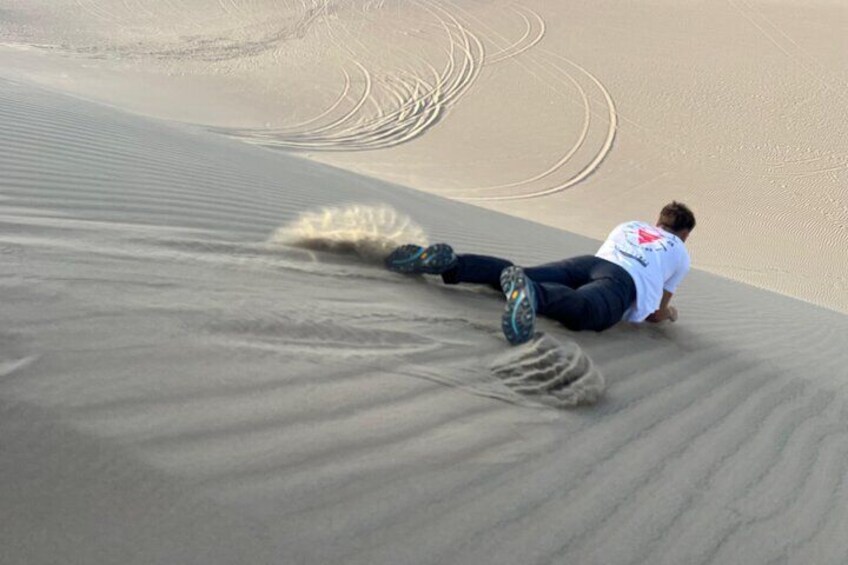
175,385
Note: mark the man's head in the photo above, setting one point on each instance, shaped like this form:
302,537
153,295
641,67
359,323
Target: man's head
678,219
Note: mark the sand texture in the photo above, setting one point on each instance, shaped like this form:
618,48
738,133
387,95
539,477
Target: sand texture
574,114
203,360
181,381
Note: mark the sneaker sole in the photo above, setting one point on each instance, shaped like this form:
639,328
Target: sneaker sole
404,259
433,260
519,318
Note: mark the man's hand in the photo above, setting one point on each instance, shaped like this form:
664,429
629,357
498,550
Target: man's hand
667,313
664,312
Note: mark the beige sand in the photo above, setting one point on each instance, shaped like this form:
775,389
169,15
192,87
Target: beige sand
178,386
189,375
577,115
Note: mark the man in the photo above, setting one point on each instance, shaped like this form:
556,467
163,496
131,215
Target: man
632,277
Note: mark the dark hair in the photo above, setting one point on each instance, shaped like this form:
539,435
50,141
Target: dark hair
677,217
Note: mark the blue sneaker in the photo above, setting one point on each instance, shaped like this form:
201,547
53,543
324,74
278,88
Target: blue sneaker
519,318
433,260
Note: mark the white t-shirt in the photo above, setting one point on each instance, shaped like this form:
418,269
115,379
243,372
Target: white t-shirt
656,259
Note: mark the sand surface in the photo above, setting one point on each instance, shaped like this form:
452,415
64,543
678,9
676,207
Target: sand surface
180,386
577,114
202,360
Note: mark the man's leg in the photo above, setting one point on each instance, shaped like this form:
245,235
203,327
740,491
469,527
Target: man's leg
561,303
556,287
573,272
594,306
482,269
590,293
477,269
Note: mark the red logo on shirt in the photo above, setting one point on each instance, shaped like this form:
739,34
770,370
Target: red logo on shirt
647,237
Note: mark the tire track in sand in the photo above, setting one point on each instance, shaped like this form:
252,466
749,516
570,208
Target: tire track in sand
524,43
554,67
406,107
418,103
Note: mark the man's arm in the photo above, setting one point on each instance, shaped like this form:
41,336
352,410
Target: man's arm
664,312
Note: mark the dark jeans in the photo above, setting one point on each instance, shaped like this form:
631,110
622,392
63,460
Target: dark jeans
584,293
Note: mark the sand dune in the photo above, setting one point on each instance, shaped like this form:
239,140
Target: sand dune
562,113
179,384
